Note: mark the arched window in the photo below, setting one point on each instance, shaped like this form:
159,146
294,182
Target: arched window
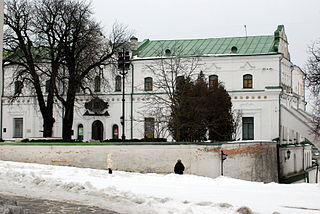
213,81
115,131
80,132
97,84
148,84
18,87
118,83
247,81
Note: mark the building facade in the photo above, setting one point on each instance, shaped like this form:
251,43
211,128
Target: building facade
266,89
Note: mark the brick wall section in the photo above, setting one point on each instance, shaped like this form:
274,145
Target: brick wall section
254,161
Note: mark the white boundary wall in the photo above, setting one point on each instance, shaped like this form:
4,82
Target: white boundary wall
254,161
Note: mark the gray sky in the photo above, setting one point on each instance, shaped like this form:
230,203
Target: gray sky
193,19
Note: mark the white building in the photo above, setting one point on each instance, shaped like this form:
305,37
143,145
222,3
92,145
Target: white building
256,70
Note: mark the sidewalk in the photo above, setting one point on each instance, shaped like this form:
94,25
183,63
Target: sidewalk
39,206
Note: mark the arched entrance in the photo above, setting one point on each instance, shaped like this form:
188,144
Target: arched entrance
97,130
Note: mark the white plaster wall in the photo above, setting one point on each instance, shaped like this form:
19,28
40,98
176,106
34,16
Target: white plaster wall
230,70
286,75
264,107
249,161
314,176
299,160
257,102
27,109
260,102
298,85
295,126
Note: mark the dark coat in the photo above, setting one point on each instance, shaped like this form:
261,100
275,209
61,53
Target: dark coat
179,168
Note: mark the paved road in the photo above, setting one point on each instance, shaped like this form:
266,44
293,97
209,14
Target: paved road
39,206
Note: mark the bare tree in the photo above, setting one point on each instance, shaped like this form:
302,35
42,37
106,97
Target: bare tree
313,81
57,43
32,46
237,123
159,113
166,68
86,50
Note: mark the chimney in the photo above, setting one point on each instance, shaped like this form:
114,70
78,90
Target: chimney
133,43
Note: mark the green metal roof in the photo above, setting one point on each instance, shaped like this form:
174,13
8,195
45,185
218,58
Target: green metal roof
251,45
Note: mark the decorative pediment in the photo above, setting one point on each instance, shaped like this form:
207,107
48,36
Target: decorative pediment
247,66
96,107
213,67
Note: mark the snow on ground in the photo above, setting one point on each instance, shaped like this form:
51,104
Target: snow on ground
136,193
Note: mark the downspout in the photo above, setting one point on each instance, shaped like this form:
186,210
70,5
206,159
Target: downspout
303,159
317,172
280,124
132,86
291,89
62,106
304,93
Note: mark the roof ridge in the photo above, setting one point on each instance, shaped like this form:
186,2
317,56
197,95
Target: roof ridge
159,40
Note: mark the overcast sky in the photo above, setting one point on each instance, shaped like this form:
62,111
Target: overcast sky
193,19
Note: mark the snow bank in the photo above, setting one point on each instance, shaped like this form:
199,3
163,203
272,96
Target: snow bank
153,193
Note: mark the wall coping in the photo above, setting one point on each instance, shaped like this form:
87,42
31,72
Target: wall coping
133,143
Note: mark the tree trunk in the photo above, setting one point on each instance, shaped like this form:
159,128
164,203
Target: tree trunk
47,115
48,125
68,118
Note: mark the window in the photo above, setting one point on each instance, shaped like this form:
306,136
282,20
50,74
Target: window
80,132
213,81
247,128
168,52
18,87
148,84
115,131
97,84
118,83
247,81
149,127
18,127
47,86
